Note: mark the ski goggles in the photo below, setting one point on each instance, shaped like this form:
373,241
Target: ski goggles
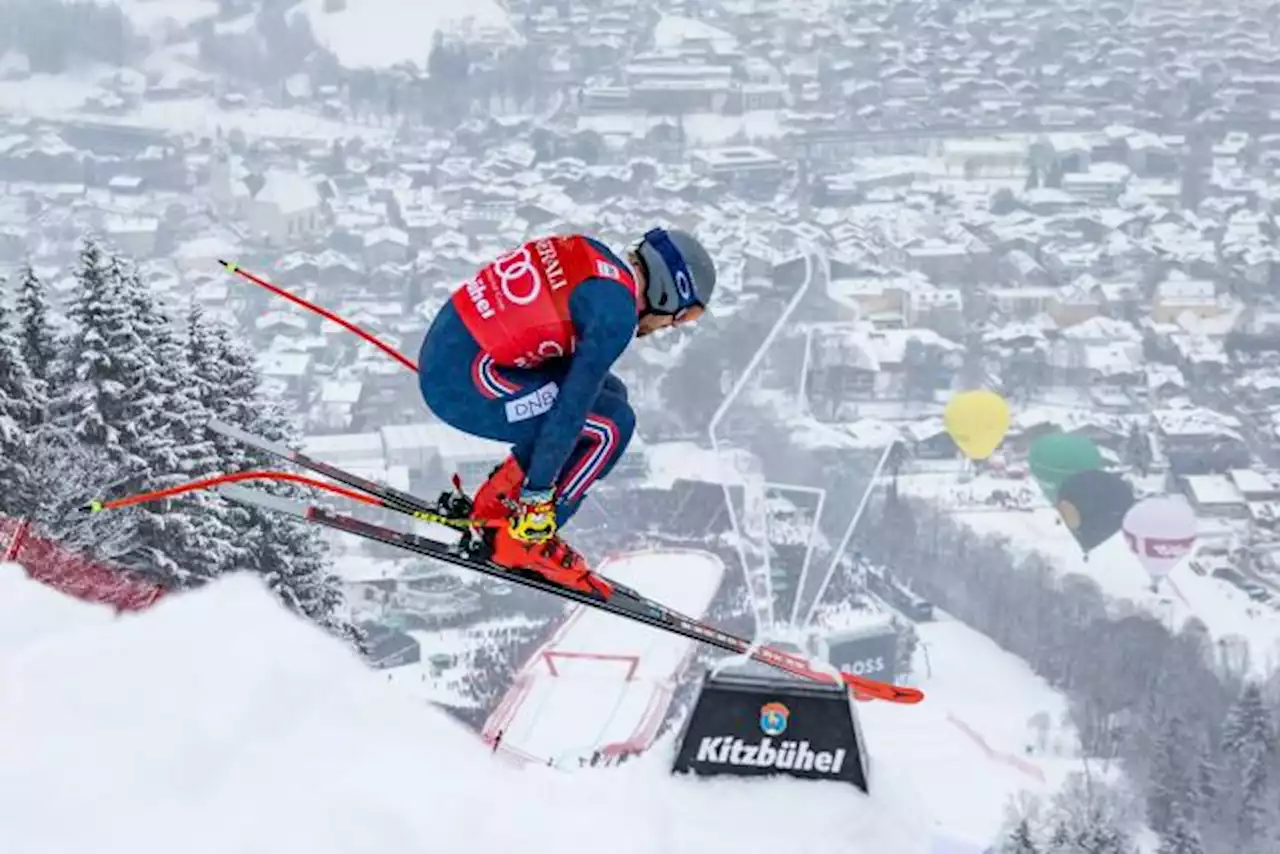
672,294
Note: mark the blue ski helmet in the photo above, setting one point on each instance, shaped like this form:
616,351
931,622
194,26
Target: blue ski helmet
680,272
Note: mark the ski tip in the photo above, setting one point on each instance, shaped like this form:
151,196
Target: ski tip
866,690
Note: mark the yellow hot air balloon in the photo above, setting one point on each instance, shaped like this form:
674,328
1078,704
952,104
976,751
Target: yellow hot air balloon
977,421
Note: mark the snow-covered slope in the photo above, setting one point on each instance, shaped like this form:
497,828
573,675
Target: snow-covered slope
217,723
383,33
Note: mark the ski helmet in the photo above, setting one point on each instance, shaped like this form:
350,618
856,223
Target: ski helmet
680,273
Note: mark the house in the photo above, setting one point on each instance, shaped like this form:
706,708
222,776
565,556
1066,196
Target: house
134,236
1215,495
1256,485
871,297
287,207
338,399
346,449
289,371
385,245
1200,441
1179,294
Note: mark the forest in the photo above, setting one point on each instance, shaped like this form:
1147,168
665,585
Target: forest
115,401
1195,735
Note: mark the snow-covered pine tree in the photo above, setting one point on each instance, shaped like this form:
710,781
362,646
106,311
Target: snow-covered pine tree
226,382
1170,788
1020,840
289,553
39,338
90,432
1181,837
184,540
17,415
102,357
1102,837
1059,839
1249,744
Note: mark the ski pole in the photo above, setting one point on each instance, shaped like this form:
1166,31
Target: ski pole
219,480
232,267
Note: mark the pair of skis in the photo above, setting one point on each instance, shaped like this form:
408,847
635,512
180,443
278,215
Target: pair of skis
450,512
624,602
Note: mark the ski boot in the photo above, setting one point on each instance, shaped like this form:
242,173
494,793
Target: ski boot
491,501
552,560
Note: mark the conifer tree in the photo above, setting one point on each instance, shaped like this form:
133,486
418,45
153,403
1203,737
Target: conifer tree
1171,778
184,538
17,407
290,554
1021,840
102,357
287,552
89,449
39,339
1181,838
1249,742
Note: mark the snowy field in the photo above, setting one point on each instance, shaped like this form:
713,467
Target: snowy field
1224,610
220,712
62,97
380,34
963,750
562,707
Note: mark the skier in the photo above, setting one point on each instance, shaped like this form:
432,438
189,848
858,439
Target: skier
522,353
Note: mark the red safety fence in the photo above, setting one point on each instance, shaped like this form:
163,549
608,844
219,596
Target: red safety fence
72,573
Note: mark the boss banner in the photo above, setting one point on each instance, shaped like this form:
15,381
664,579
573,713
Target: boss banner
871,656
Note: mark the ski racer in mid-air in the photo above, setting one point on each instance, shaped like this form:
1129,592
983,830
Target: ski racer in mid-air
522,354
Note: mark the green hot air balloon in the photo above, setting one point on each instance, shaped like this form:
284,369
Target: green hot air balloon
1092,504
1057,456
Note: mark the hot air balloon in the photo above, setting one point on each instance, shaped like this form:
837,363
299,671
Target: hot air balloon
1057,456
1093,504
1161,531
977,421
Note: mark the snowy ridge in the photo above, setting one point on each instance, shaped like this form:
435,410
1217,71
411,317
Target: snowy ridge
217,722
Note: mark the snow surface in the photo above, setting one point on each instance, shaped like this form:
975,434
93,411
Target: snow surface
1224,610
384,33
672,31
963,750
217,722
62,97
591,705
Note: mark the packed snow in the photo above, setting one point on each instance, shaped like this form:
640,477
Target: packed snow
218,722
971,746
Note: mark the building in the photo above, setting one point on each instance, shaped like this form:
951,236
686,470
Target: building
740,163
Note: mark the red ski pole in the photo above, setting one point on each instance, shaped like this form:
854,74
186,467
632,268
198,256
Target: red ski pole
235,268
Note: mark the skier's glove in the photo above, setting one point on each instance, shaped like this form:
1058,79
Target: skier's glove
534,519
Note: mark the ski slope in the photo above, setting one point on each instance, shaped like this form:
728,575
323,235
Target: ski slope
216,722
601,683
963,751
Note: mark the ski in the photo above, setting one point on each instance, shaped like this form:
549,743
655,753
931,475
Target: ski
624,602
388,497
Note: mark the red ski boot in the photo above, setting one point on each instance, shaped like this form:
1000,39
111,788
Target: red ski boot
552,559
503,485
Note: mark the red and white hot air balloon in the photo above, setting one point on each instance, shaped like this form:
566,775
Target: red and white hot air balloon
1161,531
